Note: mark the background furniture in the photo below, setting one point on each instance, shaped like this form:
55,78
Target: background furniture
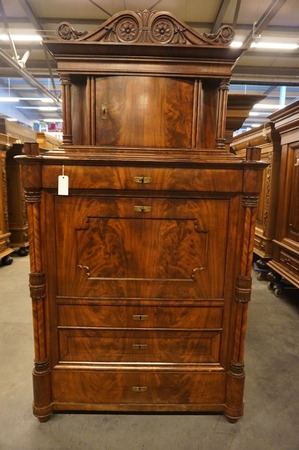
285,262
16,209
268,139
141,270
47,141
238,109
5,250
17,219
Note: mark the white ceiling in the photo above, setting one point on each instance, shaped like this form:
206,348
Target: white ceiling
274,73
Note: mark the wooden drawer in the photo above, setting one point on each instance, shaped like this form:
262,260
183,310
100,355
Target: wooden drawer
290,261
98,389
145,178
139,346
259,243
198,318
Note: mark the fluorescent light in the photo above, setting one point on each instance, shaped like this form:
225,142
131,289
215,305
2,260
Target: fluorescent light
252,113
53,120
274,46
266,106
47,108
11,119
21,37
47,100
236,44
9,99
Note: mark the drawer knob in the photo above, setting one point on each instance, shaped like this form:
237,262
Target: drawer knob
142,180
139,388
140,317
139,346
143,209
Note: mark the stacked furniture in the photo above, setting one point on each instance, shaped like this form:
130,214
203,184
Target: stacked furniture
141,261
47,141
238,109
16,135
17,219
5,250
285,262
268,139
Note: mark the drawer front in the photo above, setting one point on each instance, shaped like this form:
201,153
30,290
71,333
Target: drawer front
259,243
139,346
289,261
125,387
145,178
199,318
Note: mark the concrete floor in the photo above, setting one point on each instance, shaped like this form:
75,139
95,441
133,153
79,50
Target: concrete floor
271,394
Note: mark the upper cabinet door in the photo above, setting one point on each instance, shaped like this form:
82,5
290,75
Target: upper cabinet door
144,111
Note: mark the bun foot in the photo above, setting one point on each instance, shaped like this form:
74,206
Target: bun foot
231,419
43,419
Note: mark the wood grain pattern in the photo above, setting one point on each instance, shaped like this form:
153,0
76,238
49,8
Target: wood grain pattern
146,261
119,252
199,318
90,345
114,387
144,111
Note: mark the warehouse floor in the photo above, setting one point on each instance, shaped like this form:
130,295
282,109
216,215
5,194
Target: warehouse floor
271,389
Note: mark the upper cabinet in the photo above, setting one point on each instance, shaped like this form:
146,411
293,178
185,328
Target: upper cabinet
144,79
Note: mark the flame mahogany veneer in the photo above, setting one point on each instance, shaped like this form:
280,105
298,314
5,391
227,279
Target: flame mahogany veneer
141,276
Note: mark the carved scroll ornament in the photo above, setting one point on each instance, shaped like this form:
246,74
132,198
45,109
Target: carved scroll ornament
146,27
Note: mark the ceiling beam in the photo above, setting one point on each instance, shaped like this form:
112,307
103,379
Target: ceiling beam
236,15
38,26
264,20
26,75
6,25
219,18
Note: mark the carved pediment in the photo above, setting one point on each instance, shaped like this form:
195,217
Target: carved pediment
130,27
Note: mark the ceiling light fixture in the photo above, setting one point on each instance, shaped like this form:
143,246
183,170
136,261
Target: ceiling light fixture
9,99
21,37
47,108
273,46
53,120
267,106
236,44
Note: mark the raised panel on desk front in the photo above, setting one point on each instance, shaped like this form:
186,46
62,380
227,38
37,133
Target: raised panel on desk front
112,248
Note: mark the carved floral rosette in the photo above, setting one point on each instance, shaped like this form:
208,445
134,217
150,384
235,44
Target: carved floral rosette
130,27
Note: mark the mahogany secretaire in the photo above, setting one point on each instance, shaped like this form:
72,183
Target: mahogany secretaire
141,268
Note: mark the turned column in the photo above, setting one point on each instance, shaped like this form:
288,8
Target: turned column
236,373
65,81
221,114
31,178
